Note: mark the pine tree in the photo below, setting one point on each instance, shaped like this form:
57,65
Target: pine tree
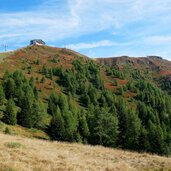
63,103
44,70
39,115
132,130
85,100
9,88
92,92
83,126
56,128
50,74
19,93
10,113
122,116
2,95
105,129
156,138
143,140
70,124
52,103
102,101
115,82
120,91
32,82
36,93
25,117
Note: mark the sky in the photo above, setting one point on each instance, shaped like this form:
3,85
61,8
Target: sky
96,28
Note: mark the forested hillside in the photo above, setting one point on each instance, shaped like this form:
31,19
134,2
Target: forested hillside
76,99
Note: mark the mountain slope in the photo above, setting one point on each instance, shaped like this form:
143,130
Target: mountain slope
31,59
117,102
153,67
18,153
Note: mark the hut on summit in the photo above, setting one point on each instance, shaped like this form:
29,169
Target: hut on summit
37,42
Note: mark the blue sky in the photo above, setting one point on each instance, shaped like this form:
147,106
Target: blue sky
97,28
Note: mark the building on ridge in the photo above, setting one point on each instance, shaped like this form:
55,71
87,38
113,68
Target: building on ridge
37,42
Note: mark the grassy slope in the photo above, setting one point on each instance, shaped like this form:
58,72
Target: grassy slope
66,156
22,131
17,153
3,55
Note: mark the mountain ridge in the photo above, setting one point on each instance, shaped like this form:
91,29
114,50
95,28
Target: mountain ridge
74,97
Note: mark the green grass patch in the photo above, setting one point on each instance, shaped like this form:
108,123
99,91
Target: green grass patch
3,55
13,145
7,169
2,125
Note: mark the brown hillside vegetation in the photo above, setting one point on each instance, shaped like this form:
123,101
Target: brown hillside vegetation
148,62
25,58
162,66
153,68
24,154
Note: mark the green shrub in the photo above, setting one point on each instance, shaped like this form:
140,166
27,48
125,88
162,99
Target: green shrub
7,131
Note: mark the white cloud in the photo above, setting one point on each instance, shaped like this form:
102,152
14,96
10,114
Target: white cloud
10,35
158,40
55,20
83,16
80,46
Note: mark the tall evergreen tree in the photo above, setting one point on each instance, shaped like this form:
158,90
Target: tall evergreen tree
155,138
32,82
56,128
132,130
9,88
39,115
25,117
105,130
52,103
10,113
2,95
83,126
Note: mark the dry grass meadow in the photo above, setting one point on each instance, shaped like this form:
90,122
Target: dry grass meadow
26,154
